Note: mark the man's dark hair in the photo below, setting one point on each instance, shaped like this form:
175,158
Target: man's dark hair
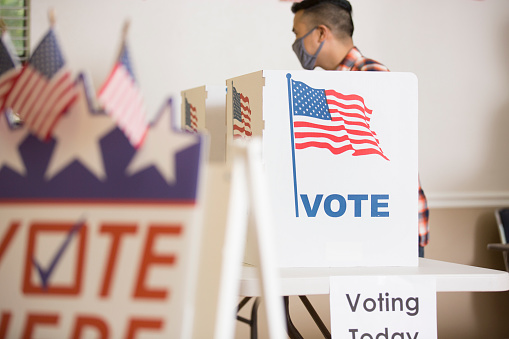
335,14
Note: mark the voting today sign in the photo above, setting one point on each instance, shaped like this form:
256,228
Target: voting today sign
98,239
383,307
340,151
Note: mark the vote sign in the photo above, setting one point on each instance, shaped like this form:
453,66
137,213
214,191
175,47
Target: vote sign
98,239
340,151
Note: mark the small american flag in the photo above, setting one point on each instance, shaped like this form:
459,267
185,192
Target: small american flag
10,65
241,115
331,120
191,117
44,89
123,101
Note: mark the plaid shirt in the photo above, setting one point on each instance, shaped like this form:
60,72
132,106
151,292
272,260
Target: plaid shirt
355,61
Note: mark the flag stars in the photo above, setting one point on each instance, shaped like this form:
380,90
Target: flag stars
309,101
47,57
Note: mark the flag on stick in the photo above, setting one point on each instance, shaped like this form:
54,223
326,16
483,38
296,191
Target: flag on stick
122,98
332,120
10,65
43,90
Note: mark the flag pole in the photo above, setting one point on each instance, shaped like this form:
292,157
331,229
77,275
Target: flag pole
292,136
51,17
125,30
3,25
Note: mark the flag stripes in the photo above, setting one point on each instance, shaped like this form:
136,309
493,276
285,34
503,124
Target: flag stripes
123,101
43,90
241,115
10,65
330,120
191,117
7,79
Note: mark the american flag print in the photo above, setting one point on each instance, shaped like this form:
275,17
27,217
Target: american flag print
327,119
122,99
241,115
44,88
191,117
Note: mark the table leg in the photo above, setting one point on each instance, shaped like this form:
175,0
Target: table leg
253,322
293,333
318,321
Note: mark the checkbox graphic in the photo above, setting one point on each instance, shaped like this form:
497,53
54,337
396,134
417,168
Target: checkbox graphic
62,243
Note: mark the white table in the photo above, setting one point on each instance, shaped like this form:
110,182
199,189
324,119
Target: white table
313,281
449,277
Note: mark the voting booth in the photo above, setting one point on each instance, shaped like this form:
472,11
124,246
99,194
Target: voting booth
99,239
203,109
340,155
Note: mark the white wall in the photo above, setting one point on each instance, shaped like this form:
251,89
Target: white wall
458,49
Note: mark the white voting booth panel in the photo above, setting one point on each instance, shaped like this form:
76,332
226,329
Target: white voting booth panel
340,154
203,109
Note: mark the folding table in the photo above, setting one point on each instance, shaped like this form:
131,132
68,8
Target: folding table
450,277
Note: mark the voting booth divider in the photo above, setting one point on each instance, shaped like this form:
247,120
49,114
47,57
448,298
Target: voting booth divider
340,155
203,110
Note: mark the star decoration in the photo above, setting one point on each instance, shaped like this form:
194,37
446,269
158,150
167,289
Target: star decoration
78,134
10,139
160,148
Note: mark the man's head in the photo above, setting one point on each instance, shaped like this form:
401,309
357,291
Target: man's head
335,14
330,27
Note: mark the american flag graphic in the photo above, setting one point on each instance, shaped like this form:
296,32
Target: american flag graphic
332,120
241,115
123,101
191,117
43,90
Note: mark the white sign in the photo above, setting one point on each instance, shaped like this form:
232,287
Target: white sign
389,307
99,239
340,153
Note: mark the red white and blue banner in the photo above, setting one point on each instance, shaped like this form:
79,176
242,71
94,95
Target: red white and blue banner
98,238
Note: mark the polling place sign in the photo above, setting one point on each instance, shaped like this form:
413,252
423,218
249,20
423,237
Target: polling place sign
340,152
384,307
98,239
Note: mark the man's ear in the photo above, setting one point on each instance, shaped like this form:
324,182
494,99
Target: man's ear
324,32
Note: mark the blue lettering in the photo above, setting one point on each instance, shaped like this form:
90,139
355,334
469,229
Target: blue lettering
376,204
311,211
357,198
328,209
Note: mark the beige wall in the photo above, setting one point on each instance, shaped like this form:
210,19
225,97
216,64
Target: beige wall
461,236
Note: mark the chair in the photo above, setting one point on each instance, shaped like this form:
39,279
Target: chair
502,216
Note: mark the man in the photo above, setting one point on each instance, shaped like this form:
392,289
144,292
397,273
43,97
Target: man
323,31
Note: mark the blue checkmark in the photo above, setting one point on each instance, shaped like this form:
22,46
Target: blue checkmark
45,274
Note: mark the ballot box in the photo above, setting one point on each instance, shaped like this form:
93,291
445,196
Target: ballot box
99,239
204,109
340,155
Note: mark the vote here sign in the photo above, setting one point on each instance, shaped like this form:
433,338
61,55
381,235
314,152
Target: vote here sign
98,241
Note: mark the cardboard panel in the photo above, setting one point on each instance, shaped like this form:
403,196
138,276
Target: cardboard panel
203,109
